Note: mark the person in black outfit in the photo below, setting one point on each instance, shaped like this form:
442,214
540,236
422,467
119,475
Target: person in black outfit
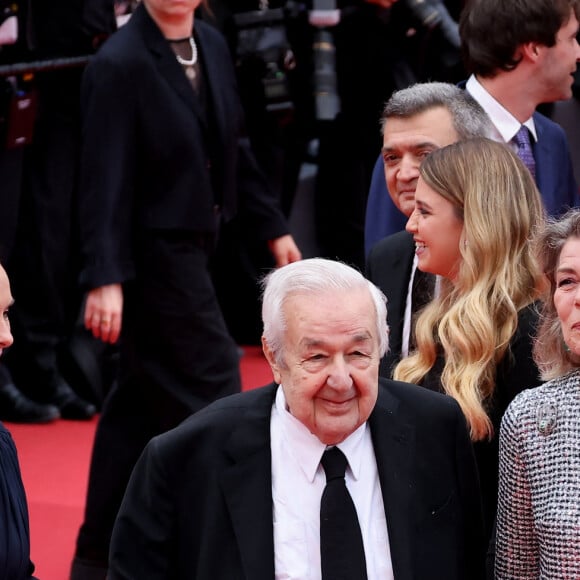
15,563
42,263
15,406
164,162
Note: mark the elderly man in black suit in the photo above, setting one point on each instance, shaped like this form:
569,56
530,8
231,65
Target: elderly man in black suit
416,121
238,491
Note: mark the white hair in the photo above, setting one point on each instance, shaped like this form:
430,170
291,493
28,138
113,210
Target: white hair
313,276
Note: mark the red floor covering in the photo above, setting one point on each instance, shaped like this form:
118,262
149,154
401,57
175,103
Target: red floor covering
54,460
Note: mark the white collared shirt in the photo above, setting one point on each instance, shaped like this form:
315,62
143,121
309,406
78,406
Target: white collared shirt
298,481
409,313
408,317
506,125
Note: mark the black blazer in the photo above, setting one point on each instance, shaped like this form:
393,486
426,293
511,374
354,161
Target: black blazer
152,158
199,502
389,267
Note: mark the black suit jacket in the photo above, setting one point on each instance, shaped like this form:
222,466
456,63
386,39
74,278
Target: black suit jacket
199,503
152,157
389,267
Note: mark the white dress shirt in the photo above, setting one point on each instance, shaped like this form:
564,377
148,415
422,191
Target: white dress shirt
506,125
408,316
298,481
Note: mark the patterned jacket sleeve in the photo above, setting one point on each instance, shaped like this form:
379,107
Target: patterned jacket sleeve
517,553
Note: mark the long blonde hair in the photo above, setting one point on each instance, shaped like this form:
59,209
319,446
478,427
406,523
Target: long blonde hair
473,319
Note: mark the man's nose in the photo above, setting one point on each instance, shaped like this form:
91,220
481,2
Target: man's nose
409,168
339,374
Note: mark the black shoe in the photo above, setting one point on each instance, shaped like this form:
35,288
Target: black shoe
70,405
17,408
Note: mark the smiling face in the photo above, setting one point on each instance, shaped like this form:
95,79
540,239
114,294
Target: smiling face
567,293
558,63
330,362
406,142
437,230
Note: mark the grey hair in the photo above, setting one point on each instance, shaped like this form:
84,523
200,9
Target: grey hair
313,276
551,355
469,119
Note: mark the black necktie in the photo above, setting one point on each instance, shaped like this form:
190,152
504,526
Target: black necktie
342,553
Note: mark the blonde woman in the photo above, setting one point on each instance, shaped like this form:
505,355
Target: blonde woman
476,205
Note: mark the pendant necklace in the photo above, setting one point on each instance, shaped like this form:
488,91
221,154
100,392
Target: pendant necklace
189,63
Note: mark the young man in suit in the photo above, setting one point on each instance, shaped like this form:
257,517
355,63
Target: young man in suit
532,61
520,54
416,121
237,491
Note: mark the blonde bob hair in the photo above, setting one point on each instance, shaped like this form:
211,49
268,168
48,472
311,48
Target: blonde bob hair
472,320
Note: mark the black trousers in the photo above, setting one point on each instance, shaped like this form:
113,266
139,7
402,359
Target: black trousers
43,264
176,356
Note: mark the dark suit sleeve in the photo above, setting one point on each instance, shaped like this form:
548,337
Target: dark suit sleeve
567,169
14,529
572,185
260,207
554,170
106,174
141,544
470,497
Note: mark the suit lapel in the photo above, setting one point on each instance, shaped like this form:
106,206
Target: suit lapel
394,445
247,487
215,76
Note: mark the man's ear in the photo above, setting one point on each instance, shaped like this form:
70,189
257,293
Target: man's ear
530,51
269,354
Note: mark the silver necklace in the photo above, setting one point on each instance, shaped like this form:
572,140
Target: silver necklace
189,62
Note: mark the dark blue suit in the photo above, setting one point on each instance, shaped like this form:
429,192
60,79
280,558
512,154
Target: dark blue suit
554,177
15,561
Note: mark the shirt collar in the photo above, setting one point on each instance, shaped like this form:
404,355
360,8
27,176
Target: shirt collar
505,123
307,449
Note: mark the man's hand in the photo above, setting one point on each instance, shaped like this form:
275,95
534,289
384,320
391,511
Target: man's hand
103,312
284,250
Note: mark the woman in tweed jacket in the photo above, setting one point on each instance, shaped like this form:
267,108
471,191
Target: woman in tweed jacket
538,525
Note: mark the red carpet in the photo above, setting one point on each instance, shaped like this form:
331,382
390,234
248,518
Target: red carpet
55,462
